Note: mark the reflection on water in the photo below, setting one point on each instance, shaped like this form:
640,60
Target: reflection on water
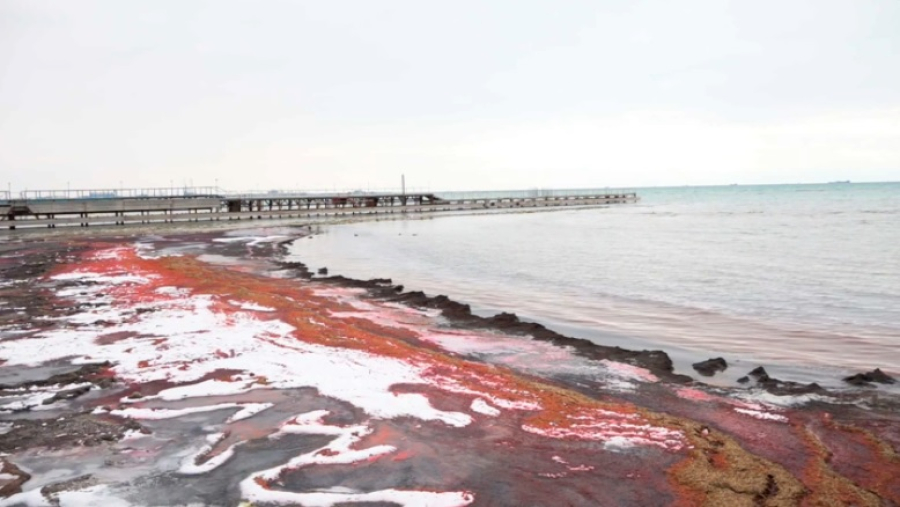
805,275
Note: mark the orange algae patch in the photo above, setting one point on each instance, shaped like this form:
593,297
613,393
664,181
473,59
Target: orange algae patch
878,463
831,443
826,486
720,472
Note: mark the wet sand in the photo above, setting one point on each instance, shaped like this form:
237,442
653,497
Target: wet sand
201,368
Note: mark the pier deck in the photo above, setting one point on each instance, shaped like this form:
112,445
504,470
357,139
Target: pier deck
51,209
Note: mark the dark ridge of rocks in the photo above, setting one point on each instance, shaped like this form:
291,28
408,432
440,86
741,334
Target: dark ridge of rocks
780,387
657,361
298,267
343,281
460,314
92,373
83,429
788,388
865,379
710,367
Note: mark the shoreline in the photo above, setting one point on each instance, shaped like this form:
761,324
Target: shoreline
828,374
658,361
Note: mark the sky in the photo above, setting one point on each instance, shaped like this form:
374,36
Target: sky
463,95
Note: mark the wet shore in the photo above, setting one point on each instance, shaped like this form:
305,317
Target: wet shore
205,368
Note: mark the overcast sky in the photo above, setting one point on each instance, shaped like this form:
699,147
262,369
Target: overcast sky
457,95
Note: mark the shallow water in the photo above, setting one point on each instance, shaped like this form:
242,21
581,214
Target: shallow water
806,276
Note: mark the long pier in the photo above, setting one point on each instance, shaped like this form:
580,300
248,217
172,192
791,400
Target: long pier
86,208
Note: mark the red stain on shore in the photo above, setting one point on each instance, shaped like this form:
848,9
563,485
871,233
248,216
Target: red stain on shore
558,413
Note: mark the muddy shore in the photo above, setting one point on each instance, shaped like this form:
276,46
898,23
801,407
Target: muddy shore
594,424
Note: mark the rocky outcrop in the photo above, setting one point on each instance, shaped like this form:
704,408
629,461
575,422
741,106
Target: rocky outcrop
864,379
710,367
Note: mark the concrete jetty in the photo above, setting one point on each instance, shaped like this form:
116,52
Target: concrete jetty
85,208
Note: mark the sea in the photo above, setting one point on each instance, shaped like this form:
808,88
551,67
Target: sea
801,279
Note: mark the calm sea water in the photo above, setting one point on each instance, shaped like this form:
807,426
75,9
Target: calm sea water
798,275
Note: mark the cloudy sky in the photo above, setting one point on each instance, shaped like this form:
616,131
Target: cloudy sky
486,94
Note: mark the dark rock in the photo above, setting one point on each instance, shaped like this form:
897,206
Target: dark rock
785,388
743,380
710,367
323,271
84,429
505,319
864,379
69,394
757,372
860,379
760,375
881,377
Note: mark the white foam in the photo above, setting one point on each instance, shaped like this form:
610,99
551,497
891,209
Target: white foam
758,414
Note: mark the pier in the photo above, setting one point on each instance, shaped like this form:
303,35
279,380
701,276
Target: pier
103,207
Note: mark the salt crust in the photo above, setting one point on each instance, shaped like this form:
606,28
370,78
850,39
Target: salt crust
196,335
267,348
190,465
153,414
341,450
93,496
483,407
243,305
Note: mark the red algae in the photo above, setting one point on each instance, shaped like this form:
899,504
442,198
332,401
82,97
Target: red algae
862,458
560,414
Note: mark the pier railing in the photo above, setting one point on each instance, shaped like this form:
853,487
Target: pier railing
119,193
313,193
532,193
213,191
